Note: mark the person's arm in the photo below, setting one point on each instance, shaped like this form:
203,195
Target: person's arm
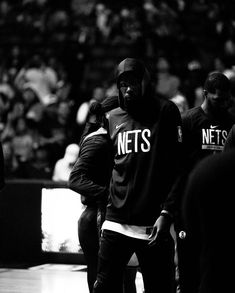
176,158
230,141
185,163
167,215
80,179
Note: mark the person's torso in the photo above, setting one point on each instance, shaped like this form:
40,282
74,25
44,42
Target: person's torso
144,166
203,136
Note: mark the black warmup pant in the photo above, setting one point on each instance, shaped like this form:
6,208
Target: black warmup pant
156,263
88,233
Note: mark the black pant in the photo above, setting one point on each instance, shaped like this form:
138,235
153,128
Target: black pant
88,232
156,263
89,240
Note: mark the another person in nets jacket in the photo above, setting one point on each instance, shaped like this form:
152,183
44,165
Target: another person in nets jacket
90,177
205,129
146,136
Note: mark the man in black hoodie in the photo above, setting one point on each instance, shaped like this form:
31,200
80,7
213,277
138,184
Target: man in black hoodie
145,132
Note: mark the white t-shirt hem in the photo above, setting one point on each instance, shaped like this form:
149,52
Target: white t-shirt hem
139,232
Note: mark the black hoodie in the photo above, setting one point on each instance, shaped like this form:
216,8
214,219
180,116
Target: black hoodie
147,153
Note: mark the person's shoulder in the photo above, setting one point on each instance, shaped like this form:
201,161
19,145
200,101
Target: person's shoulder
192,112
221,163
232,129
99,134
164,102
231,118
167,106
115,113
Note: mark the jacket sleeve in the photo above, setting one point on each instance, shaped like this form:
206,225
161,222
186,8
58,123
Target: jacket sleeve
230,141
185,163
176,158
81,180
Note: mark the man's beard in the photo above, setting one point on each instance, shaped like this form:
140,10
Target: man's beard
131,103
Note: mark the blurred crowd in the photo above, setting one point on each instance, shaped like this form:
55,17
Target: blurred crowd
46,46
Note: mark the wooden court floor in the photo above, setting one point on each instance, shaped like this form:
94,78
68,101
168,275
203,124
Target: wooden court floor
53,280
48,279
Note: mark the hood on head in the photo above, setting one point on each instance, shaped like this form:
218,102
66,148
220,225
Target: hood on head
138,68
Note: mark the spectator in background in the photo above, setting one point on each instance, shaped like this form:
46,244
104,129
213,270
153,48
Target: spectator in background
103,16
38,168
23,144
64,122
33,108
98,94
192,83
7,96
181,102
10,162
40,77
63,128
167,84
30,156
15,112
64,166
208,213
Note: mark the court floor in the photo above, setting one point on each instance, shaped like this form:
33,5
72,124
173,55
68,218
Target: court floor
49,278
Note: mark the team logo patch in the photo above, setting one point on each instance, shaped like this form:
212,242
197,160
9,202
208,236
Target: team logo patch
180,135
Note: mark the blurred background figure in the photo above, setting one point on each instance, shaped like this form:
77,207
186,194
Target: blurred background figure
181,102
10,162
39,76
167,83
98,95
63,166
